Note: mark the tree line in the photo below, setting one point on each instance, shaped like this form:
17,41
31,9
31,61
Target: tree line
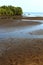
10,10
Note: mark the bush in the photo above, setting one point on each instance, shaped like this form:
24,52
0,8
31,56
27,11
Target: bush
13,9
19,11
2,11
10,10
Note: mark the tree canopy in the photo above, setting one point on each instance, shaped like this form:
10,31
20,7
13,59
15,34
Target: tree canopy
10,10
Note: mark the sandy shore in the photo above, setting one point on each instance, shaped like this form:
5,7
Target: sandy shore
15,23
38,32
21,52
15,51
21,17
34,18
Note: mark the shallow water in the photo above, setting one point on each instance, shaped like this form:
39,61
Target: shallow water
21,32
33,14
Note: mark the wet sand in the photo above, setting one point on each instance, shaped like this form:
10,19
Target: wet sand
21,17
38,32
21,52
16,23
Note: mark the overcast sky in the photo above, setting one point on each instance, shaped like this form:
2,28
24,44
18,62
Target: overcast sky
27,5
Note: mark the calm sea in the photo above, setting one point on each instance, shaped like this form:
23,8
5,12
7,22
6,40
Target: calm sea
33,14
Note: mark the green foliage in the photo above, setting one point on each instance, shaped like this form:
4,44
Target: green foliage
2,11
18,10
10,10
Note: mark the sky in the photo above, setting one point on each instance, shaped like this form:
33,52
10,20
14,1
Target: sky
27,5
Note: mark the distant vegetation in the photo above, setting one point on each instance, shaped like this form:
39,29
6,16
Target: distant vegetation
10,10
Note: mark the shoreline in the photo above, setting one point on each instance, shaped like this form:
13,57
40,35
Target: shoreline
21,17
17,23
20,51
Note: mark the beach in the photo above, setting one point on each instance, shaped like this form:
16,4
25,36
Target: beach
19,50
17,22
38,32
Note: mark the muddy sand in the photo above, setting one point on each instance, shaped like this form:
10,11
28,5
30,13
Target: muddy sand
21,52
38,32
15,51
14,23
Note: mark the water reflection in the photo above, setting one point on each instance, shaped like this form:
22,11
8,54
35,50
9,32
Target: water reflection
21,33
